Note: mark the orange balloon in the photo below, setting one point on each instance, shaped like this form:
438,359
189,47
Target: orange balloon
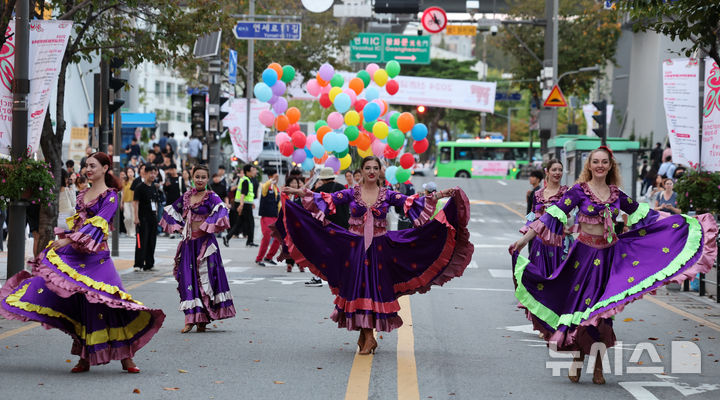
363,141
321,160
357,85
385,107
282,123
278,68
321,132
405,122
321,81
293,114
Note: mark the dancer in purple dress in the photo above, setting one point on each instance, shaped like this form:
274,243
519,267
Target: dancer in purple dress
547,257
74,286
603,272
367,267
202,283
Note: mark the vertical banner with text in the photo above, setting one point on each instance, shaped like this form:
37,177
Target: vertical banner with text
711,118
48,40
236,122
680,97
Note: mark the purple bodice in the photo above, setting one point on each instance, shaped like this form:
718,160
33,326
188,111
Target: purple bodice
92,221
210,210
541,203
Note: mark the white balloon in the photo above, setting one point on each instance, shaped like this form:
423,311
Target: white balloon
317,6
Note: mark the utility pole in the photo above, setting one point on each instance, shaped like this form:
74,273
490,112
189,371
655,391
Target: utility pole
548,116
213,132
250,79
104,118
20,89
117,143
483,115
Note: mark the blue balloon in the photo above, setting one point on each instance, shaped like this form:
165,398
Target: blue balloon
308,164
342,102
371,112
308,152
390,174
371,94
317,149
263,92
269,76
342,143
419,131
331,141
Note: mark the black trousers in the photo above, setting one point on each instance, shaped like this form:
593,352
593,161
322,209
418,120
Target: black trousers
248,222
145,238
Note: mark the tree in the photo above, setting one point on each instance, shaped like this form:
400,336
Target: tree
697,21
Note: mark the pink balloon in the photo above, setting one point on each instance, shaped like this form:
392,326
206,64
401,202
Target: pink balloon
335,120
371,68
310,139
266,118
378,148
351,94
313,88
383,107
281,138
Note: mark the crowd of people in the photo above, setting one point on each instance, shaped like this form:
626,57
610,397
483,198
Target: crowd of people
658,175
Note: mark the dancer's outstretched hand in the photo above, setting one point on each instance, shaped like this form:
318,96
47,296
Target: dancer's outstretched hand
61,243
517,246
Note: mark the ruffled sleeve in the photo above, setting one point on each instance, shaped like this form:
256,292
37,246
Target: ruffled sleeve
322,204
639,214
550,226
172,219
419,209
218,219
95,230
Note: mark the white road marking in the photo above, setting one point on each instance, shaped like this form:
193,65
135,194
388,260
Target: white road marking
288,281
502,183
473,265
527,328
235,269
639,389
500,273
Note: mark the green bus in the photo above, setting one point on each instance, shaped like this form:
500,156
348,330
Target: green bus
482,158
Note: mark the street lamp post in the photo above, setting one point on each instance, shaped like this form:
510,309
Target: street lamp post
509,116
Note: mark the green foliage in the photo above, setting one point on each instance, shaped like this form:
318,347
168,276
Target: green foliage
26,178
699,191
696,21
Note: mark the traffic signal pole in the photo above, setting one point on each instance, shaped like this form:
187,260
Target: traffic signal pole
250,80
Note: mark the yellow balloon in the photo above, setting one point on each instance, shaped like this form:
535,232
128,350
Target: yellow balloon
364,153
380,130
352,118
345,161
334,92
381,77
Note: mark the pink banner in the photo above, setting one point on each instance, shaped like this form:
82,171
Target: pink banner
236,122
491,168
710,157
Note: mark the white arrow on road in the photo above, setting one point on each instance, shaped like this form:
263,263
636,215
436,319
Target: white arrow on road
640,392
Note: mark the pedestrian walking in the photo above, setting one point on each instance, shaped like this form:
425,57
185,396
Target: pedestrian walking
656,156
603,272
75,288
244,198
367,267
145,204
536,177
268,210
294,182
194,147
667,169
128,209
66,201
202,283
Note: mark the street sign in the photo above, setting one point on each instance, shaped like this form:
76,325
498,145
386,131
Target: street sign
378,47
555,98
367,47
268,30
516,96
407,49
232,67
461,30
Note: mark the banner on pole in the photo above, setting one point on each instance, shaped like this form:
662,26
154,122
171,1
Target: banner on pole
48,40
680,97
710,157
236,122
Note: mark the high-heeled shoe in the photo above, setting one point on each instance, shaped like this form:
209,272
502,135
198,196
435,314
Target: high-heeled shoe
187,328
369,346
131,369
81,366
361,340
202,327
577,365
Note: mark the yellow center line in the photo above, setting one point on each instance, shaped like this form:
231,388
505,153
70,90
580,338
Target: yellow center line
359,381
32,325
407,380
685,314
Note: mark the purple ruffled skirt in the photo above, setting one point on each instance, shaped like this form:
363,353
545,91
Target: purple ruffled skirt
572,306
82,295
367,283
202,283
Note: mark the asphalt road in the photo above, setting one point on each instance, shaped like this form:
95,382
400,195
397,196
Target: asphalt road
466,340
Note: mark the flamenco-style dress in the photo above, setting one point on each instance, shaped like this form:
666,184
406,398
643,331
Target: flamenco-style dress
367,267
202,283
545,257
602,273
76,289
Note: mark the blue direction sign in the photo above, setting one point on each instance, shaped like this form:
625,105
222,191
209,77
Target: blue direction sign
268,30
232,67
500,96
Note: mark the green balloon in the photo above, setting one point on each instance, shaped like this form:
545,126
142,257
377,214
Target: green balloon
393,120
395,140
342,153
352,133
365,76
319,123
402,175
337,81
288,73
393,69
369,126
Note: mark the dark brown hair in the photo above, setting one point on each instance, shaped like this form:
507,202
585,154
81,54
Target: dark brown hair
110,180
381,177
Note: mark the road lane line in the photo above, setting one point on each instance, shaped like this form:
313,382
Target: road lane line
683,313
358,384
35,324
407,380
511,210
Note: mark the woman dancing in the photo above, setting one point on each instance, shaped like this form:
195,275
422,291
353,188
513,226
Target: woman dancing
74,286
603,272
366,267
202,283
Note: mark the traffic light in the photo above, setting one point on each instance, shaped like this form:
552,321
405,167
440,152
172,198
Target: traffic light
421,109
197,115
115,84
601,118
